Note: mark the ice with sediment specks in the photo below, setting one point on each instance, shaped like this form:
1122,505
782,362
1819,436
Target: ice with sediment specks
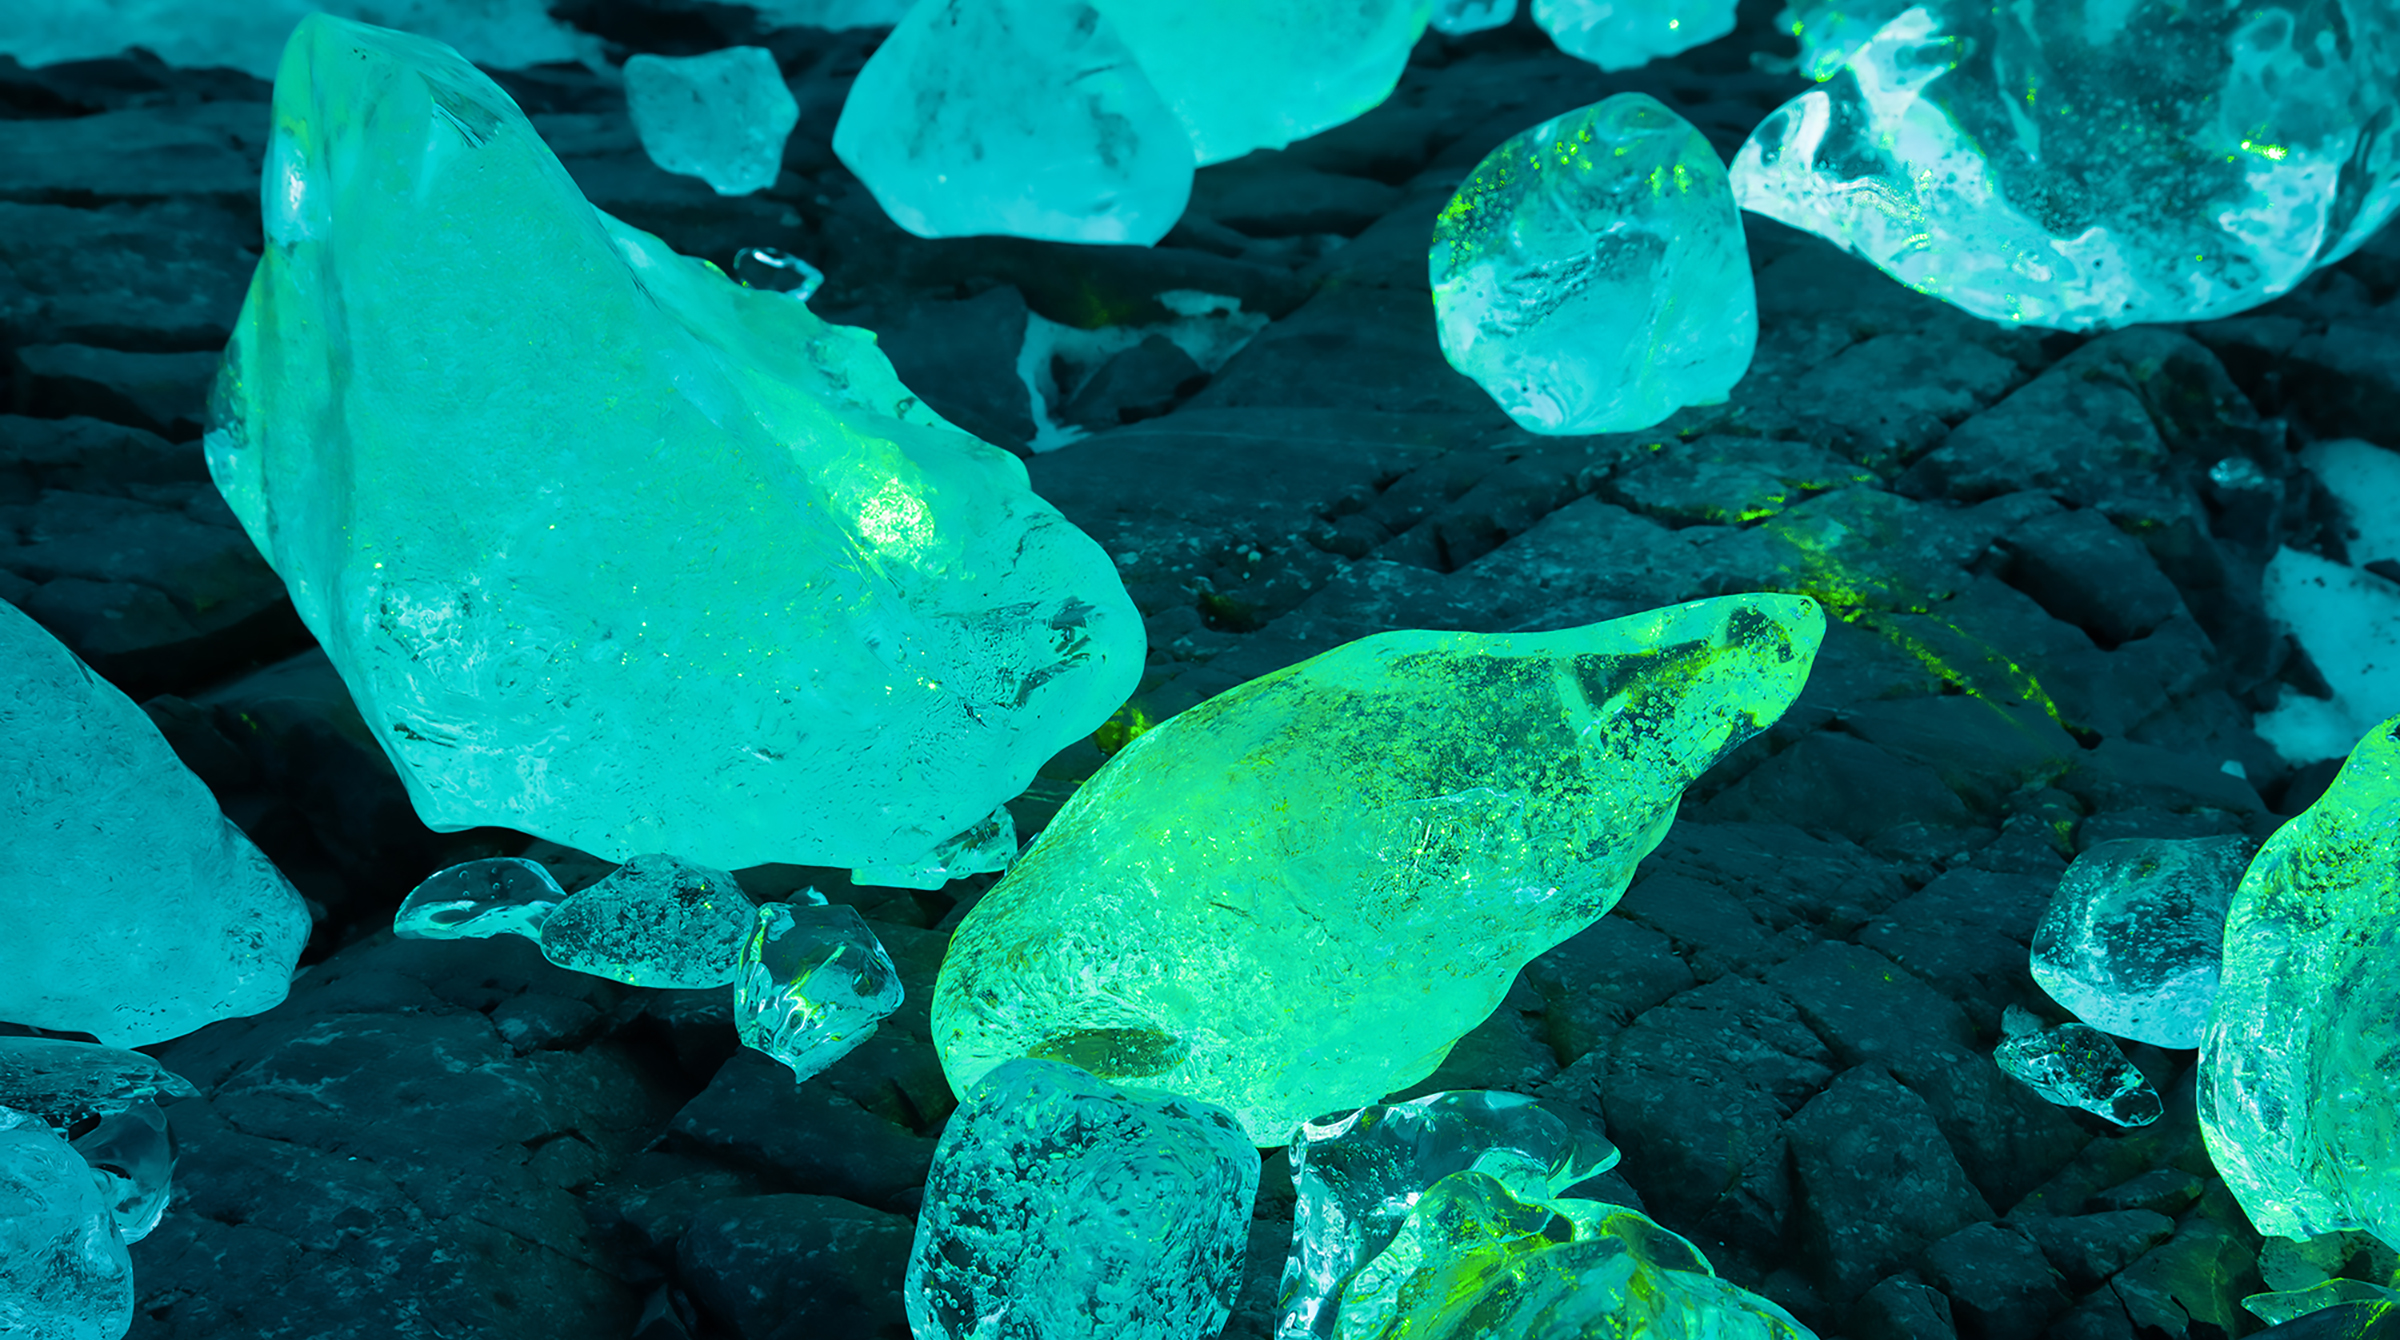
2132,938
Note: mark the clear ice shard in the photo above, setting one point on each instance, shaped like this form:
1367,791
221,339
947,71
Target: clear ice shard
1358,1176
608,548
2012,160
1024,117
2131,941
1623,34
1592,275
777,271
1293,898
654,921
64,1082
1460,17
64,1271
134,910
476,900
133,1154
1061,1208
987,847
812,983
722,117
2075,1065
2300,1066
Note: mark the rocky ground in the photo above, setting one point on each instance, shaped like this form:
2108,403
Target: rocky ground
2043,552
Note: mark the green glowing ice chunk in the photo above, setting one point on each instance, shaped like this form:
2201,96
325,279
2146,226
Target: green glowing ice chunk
475,900
609,548
2075,1065
1063,1209
1358,1175
64,1271
1293,898
2132,939
982,849
2300,1064
1621,34
1592,275
1024,117
2277,1308
64,1082
655,921
722,117
812,983
1459,17
2011,159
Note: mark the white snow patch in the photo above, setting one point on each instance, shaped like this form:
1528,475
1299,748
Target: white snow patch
2349,623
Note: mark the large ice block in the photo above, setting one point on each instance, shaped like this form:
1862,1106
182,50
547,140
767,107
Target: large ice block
2134,933
722,117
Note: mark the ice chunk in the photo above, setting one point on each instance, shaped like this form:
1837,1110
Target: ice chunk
2300,1066
2075,1065
2133,935
249,34
1025,117
1592,275
1459,17
65,1082
134,910
2277,1308
1061,1208
475,900
1621,34
64,1271
722,117
654,921
133,1153
777,272
1359,1175
813,982
987,847
2011,159
1293,898
608,548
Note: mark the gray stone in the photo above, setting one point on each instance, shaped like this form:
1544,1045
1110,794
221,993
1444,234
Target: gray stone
796,1267
1877,1181
1141,383
2089,1248
165,393
2082,569
1999,1284
1902,1307
818,1141
139,153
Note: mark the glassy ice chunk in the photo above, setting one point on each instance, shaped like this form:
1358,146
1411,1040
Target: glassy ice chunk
1592,275
722,117
64,1272
655,921
1061,1208
2075,1065
2277,1308
2134,934
813,982
1359,1175
1024,117
133,1152
475,900
130,907
1622,34
1459,17
2011,160
1294,898
2300,1065
64,1082
249,34
986,847
699,575
777,272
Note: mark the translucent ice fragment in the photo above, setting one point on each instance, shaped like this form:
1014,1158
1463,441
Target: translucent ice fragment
2134,933
130,907
722,117
249,34
1294,898
1359,1175
2075,1065
777,272
133,1152
655,921
65,1082
1592,275
1061,1208
812,983
1621,34
2300,1065
475,900
988,846
1024,117
1458,17
2348,621
609,548
64,1272
2277,1308
2011,160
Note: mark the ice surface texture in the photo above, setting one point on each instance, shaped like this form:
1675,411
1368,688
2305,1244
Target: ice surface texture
1061,1209
812,983
1592,275
2134,932
608,548
64,1272
476,900
249,34
722,117
108,1091
2075,1065
654,921
2023,162
1293,898
1459,17
1621,34
134,910
2300,1066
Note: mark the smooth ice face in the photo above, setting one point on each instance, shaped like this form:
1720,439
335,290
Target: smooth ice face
1359,1175
1024,117
64,1272
1459,17
2134,933
608,548
1621,34
134,910
2300,1065
655,921
476,900
2013,160
722,117
1592,276
812,983
1060,1208
2075,1065
1293,898
133,1153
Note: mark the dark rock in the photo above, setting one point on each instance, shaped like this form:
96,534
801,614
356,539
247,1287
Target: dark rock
1982,750
2000,1286
2097,1316
1877,1181
165,393
92,456
191,731
2123,775
2083,570
1350,348
1266,195
2168,1191
1721,479
808,1136
2197,1278
1710,925
1599,980
1508,1051
2347,374
1083,286
1862,548
1841,784
1591,550
1141,383
643,1210
2076,431
2089,1248
1967,934
798,1267
156,277
1883,401
144,153
960,357
1902,1307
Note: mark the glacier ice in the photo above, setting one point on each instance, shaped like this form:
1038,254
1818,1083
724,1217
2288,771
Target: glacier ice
657,920
249,34
811,984
64,1271
777,271
1623,34
2075,1065
2131,940
133,1154
476,900
722,117
104,1099
1459,17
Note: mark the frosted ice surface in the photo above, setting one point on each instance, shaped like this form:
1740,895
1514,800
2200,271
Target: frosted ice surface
249,34
2075,1065
1621,34
2348,621
722,117
987,847
2133,936
135,911
64,1271
655,921
475,900
1458,17
1064,1209
812,983
1024,117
